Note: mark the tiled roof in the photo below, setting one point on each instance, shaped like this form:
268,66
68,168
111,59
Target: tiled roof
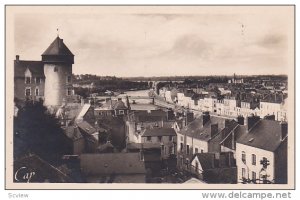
159,132
112,163
36,68
266,134
58,47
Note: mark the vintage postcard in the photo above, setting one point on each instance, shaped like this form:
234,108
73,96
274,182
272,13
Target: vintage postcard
150,97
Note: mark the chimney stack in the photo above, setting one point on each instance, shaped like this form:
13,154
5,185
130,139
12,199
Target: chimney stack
270,117
284,129
213,130
240,120
205,118
251,121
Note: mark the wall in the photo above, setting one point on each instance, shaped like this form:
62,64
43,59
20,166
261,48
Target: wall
19,88
56,83
260,153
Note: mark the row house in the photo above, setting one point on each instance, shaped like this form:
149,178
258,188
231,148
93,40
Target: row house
138,121
261,152
198,137
165,137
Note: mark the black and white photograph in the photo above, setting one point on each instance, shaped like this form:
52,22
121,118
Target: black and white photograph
155,97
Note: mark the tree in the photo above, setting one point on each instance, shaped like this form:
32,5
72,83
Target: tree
40,131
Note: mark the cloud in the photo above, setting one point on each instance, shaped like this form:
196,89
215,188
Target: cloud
189,46
272,41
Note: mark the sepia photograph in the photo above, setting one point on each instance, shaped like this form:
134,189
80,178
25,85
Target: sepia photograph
150,97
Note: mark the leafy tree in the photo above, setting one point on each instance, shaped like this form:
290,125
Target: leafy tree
40,131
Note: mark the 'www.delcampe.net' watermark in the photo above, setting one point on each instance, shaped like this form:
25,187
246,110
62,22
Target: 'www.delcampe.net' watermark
247,195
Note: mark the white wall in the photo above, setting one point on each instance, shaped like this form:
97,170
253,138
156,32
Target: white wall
260,153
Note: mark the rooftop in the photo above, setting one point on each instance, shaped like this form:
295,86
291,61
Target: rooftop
266,134
112,163
159,132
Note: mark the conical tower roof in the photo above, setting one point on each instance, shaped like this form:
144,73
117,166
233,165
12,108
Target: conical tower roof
58,52
58,47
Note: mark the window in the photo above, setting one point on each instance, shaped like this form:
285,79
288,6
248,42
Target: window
121,112
243,173
196,150
170,138
170,150
181,147
244,157
253,176
69,79
69,91
188,149
55,69
27,92
159,138
253,159
27,80
148,138
37,80
36,91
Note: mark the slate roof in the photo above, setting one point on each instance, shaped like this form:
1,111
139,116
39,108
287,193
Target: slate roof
159,132
143,146
145,116
36,68
206,160
113,105
58,47
86,127
112,163
198,131
266,134
210,161
72,132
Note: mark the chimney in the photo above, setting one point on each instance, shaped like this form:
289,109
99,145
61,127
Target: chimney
227,122
17,58
190,117
213,130
240,120
205,118
284,129
270,117
251,121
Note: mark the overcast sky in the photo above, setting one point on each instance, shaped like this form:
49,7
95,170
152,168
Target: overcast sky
162,41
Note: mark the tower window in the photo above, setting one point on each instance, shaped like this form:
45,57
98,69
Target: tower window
69,78
27,92
55,69
37,92
69,92
27,80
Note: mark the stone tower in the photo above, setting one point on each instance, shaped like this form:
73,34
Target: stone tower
57,60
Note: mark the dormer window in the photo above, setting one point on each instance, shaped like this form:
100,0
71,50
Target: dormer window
27,80
37,80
